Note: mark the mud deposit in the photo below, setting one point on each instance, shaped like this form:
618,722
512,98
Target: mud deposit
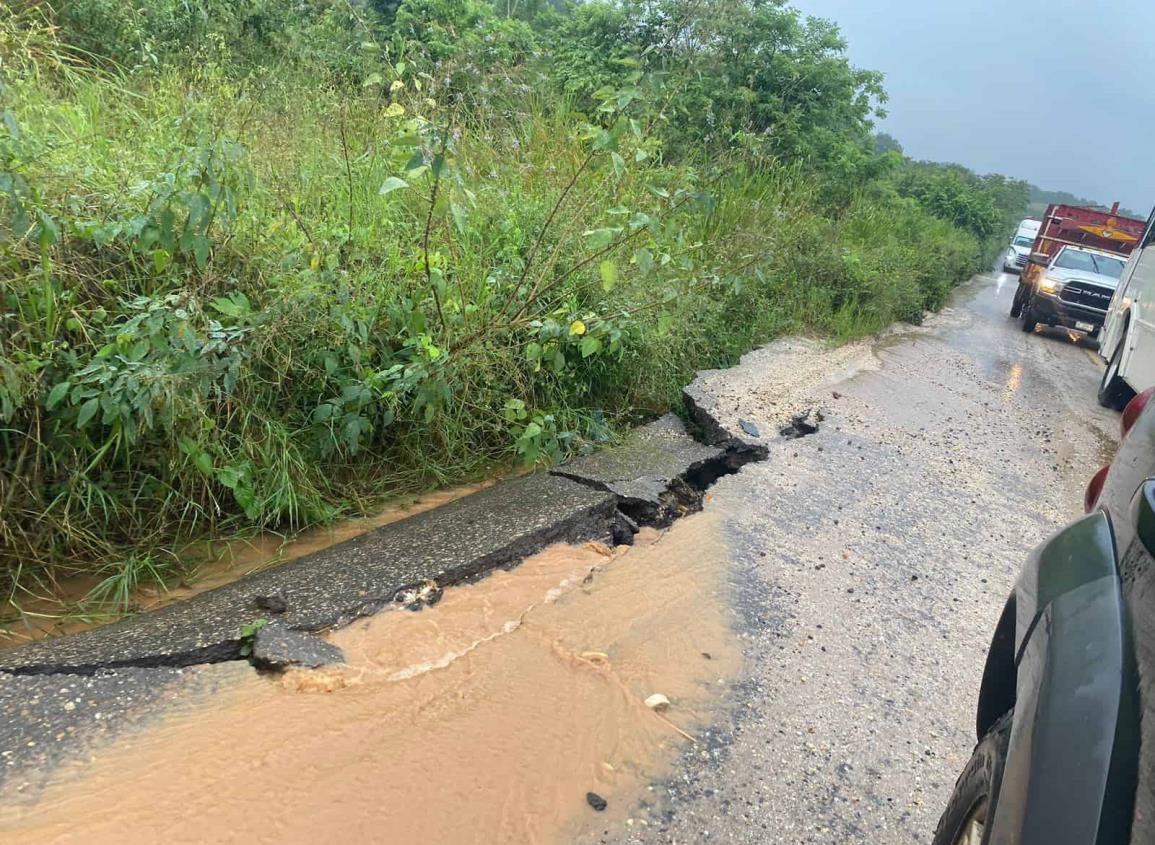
486,718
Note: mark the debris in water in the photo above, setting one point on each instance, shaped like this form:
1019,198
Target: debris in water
658,702
417,596
599,548
325,679
749,428
596,801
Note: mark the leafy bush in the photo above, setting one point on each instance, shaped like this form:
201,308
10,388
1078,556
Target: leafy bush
357,250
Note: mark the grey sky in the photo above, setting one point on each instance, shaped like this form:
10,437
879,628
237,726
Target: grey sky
1056,92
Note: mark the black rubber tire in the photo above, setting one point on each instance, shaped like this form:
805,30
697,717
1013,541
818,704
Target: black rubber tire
1029,321
979,780
1017,302
1114,392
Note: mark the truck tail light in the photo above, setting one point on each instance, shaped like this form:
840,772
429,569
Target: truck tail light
1135,408
1095,489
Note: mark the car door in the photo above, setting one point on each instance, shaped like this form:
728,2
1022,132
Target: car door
1138,364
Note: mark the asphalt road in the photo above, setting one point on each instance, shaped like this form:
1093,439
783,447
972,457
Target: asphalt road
872,559
868,564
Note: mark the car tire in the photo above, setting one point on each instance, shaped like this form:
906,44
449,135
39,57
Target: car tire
979,781
1114,392
1029,320
1017,302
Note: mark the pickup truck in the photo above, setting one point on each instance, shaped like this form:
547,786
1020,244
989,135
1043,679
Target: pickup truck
1073,290
1074,266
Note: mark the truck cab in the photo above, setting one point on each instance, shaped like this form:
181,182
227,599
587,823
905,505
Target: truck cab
1019,250
1073,290
1128,340
1074,267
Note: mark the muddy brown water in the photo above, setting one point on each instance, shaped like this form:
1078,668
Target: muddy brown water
484,719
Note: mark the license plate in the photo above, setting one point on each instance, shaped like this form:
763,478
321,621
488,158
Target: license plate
1085,327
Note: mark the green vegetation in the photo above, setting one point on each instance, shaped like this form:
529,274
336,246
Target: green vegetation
266,262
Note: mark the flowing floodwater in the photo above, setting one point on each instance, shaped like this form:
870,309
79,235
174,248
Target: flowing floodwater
486,718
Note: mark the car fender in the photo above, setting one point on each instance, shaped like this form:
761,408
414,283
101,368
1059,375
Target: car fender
1074,679
1082,552
997,692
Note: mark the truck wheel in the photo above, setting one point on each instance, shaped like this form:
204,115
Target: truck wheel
1114,392
965,816
1017,303
1029,321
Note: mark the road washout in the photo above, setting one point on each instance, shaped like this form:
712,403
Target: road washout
486,718
210,564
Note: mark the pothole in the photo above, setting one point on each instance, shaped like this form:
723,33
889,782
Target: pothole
802,425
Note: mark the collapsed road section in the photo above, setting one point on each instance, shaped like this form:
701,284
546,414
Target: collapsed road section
658,473
73,692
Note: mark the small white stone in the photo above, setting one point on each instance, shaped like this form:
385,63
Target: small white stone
658,702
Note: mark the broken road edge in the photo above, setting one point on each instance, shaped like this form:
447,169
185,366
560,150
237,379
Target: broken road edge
658,473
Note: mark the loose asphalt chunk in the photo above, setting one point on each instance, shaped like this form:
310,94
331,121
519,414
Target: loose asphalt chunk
492,528
657,472
276,646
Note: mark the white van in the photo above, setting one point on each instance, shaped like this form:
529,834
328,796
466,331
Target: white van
1019,250
1127,342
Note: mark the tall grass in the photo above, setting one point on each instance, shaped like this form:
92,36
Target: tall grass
236,303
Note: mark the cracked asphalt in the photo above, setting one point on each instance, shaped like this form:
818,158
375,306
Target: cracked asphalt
871,562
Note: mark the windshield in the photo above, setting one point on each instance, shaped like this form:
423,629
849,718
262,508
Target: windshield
1022,240
1092,262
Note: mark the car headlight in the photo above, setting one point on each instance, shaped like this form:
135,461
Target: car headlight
1047,284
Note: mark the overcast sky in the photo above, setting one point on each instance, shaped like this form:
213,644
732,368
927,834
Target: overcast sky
1058,92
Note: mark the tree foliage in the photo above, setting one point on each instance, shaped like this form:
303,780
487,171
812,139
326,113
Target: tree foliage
265,262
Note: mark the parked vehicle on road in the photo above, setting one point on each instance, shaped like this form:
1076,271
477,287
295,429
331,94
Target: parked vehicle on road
1081,306
1066,710
1073,290
1128,338
1019,250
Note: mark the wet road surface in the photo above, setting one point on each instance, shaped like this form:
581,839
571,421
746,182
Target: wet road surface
872,561
821,636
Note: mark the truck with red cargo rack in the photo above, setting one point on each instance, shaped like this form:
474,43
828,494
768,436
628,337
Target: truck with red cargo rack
1075,264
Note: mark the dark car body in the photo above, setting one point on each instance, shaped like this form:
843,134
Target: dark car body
1073,656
